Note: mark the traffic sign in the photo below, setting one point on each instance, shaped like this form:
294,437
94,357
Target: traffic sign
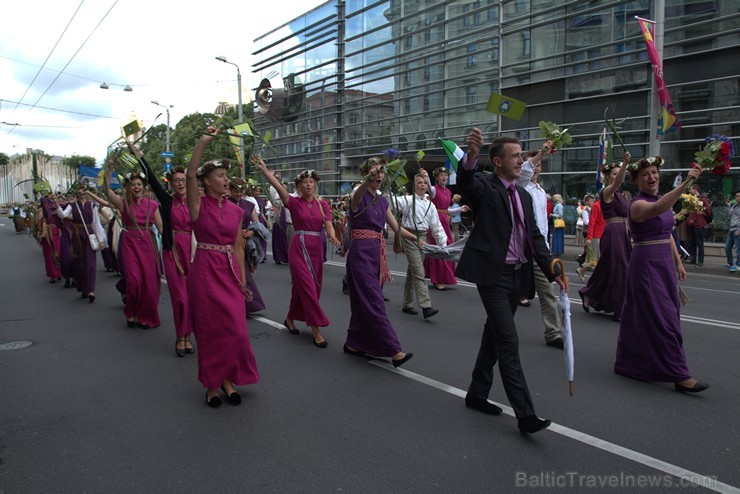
167,154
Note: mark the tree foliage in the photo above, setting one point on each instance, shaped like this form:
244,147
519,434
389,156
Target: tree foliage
76,160
4,159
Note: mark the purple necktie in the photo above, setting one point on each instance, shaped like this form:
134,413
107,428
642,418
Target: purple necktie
518,225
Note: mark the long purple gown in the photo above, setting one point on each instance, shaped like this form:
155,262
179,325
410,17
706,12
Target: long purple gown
369,330
257,303
605,289
84,259
650,345
177,268
216,302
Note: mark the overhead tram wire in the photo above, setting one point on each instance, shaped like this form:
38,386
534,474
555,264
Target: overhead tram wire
60,110
71,59
47,58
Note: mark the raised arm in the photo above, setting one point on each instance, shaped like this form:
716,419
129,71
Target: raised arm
356,196
644,210
614,186
157,188
271,179
97,198
430,188
115,200
528,166
191,176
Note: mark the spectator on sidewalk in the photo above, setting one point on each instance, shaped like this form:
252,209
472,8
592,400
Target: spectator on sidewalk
733,236
695,226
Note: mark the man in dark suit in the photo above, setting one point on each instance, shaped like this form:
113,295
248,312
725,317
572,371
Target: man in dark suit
498,258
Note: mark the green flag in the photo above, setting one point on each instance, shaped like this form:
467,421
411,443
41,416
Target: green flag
131,128
505,106
454,155
398,174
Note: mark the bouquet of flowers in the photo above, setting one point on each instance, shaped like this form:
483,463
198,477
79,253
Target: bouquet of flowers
716,154
551,131
691,203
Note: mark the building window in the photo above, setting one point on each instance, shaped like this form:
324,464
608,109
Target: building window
526,44
471,55
471,93
494,50
354,118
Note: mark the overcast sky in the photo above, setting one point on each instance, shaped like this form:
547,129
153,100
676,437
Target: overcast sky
163,49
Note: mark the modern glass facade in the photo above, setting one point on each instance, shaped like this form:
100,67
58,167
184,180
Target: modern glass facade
403,73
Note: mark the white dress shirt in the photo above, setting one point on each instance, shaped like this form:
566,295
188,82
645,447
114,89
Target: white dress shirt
424,219
539,197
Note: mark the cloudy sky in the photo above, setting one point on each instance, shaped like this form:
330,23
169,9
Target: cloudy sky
163,49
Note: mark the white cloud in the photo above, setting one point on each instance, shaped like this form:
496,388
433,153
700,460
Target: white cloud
163,49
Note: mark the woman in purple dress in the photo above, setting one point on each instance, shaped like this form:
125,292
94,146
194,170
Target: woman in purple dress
605,289
305,254
650,345
139,249
237,187
440,272
370,331
217,284
86,222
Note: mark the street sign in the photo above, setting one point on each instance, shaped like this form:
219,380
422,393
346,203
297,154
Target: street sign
167,154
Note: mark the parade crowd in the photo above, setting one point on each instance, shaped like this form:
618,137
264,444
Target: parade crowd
208,234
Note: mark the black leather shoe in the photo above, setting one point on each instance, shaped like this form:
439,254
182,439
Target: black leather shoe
356,353
400,362
291,330
130,324
321,344
180,352
429,312
233,398
482,405
557,343
410,310
143,326
345,288
698,387
67,283
189,350
91,297
532,424
213,402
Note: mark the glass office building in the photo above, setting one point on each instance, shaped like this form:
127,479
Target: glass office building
372,75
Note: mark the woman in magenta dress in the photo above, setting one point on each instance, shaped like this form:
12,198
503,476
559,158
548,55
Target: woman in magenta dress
306,253
440,273
650,345
49,237
139,249
370,332
217,284
605,289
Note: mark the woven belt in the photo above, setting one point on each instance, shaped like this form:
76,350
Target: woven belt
228,250
652,242
184,232
385,273
301,234
618,219
82,225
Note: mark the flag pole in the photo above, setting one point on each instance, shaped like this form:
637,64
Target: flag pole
654,141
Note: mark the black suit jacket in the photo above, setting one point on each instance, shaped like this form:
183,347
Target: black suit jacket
485,251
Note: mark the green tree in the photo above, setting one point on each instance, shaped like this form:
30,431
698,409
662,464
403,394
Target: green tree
4,159
75,160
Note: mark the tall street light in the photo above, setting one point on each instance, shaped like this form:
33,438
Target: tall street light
167,108
239,110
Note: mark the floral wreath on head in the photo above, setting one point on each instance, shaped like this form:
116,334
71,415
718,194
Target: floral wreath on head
607,167
238,183
306,174
129,177
638,165
439,170
172,172
211,165
369,163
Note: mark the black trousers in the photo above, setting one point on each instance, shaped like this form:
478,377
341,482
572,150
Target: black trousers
500,343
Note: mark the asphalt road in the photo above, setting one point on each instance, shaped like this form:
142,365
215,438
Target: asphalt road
94,406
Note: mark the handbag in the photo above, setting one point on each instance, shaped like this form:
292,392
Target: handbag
94,243
559,223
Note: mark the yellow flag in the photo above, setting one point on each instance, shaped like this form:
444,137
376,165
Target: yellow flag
505,106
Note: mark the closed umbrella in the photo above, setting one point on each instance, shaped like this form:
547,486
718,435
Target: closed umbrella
566,332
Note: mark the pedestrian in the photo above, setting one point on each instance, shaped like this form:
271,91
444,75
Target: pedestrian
139,250
370,332
177,233
440,272
733,235
18,215
85,222
528,180
606,286
419,217
455,211
695,224
217,284
650,345
558,235
279,225
49,238
306,254
498,258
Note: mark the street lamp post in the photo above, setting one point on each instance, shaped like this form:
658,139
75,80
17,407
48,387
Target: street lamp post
167,108
239,110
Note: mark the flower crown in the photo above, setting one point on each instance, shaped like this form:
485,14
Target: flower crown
306,174
237,183
439,170
211,165
371,162
129,177
638,165
168,175
716,154
605,168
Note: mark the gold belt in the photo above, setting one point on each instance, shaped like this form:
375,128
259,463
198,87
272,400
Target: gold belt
653,242
617,220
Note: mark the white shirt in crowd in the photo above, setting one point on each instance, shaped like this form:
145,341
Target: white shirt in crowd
425,217
539,197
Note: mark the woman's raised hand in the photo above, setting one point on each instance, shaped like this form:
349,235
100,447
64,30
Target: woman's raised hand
260,164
